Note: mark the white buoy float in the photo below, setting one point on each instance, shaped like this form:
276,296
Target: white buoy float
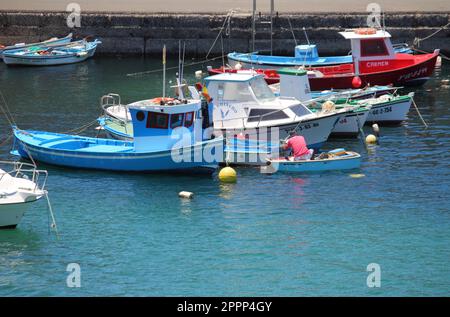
198,74
376,129
187,195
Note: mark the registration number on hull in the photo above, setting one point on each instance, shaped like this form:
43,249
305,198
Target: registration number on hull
382,110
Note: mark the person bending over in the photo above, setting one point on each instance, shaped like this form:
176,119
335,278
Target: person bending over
298,146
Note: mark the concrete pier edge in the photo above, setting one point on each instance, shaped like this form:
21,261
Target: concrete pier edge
146,33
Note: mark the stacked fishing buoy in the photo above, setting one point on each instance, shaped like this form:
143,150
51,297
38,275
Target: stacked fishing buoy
227,175
373,138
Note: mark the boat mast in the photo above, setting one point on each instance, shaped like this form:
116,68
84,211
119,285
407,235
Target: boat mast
253,26
272,8
164,71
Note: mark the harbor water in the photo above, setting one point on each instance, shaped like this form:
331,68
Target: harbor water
280,235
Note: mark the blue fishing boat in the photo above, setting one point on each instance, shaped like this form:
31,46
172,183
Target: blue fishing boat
51,41
305,55
49,55
166,137
338,159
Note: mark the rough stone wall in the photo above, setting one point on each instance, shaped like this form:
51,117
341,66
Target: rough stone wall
146,34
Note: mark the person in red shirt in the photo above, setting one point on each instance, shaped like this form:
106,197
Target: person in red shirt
298,145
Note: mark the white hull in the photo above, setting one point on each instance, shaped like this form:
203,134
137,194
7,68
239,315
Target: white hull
391,112
17,191
350,124
47,60
11,214
315,132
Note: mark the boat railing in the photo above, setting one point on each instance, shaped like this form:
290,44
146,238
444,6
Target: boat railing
27,171
112,100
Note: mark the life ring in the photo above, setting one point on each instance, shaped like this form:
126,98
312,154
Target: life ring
365,31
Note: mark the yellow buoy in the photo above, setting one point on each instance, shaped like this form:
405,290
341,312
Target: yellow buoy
371,139
227,175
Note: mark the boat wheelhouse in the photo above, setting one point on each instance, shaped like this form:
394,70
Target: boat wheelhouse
244,102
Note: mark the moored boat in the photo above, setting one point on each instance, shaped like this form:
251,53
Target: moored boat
294,83
166,137
51,41
338,159
21,184
374,62
304,55
245,103
73,52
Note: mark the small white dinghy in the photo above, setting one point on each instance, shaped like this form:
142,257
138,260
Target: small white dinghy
20,185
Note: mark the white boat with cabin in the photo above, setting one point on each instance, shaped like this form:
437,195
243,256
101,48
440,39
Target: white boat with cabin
21,184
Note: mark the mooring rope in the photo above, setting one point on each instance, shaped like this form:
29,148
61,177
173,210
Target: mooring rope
80,129
418,112
425,52
417,40
6,140
227,20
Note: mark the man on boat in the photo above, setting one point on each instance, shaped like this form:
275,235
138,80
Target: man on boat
298,146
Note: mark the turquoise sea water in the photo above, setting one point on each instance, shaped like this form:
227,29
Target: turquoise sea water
290,235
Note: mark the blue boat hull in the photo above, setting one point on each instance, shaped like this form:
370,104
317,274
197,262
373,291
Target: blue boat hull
345,162
122,158
265,61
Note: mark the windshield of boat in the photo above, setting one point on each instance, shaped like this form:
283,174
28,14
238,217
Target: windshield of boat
261,89
235,91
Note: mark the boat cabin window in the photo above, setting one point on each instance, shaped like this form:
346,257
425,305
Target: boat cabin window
189,119
256,115
236,91
261,89
176,120
300,110
157,120
373,47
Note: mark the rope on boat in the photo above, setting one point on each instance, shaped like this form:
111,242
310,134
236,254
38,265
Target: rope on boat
5,109
9,117
292,30
425,52
50,209
176,67
417,40
80,129
418,112
225,26
6,140
226,22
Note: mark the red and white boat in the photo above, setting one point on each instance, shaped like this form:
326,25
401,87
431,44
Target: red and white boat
374,63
